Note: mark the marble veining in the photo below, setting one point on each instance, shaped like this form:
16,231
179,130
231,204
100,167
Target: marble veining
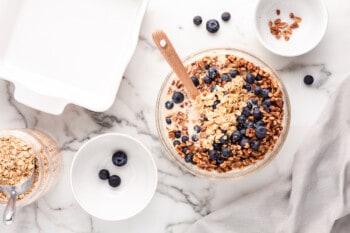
181,198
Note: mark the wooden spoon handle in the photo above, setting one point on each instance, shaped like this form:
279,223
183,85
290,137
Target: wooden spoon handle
166,48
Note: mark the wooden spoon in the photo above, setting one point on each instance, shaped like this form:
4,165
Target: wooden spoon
166,48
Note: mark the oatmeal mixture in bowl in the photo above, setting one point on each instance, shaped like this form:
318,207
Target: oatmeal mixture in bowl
235,126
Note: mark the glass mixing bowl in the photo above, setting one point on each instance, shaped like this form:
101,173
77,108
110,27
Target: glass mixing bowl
235,173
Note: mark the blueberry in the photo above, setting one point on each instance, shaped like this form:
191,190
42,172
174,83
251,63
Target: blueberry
184,138
266,108
212,88
226,16
249,78
248,87
119,158
265,93
176,142
259,123
206,79
178,97
246,112
260,132
212,72
241,119
254,102
257,90
267,102
242,131
189,158
207,66
114,181
225,78
216,102
234,73
236,136
244,143
258,77
168,121
226,152
213,154
308,80
197,20
217,146
257,113
224,139
212,25
195,80
169,105
194,138
240,126
197,128
249,124
219,161
255,145
184,149
103,174
249,105
177,134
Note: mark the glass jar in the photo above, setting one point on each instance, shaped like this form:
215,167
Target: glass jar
48,164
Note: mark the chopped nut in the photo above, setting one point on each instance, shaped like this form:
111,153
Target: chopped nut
297,19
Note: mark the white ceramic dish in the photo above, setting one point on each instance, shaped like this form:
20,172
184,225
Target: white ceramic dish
67,51
312,27
138,177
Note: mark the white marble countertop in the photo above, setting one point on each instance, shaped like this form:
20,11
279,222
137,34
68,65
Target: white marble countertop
180,198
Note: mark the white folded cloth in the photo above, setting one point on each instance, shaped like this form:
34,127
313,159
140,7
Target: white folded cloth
314,198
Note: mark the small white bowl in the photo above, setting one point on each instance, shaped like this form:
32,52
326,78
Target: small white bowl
138,177
310,32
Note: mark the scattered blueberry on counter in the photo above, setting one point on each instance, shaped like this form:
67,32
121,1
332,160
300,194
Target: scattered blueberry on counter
119,158
308,80
226,16
197,20
212,25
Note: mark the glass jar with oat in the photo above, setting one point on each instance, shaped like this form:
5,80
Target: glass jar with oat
22,153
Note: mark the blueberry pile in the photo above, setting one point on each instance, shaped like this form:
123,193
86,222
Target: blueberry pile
212,25
119,159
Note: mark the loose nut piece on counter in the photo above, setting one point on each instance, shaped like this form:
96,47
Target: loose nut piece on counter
17,161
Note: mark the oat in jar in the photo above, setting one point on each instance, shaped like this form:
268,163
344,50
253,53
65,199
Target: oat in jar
24,152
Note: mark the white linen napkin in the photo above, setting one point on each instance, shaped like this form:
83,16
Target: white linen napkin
314,198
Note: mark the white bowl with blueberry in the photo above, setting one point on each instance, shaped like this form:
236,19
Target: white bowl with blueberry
113,177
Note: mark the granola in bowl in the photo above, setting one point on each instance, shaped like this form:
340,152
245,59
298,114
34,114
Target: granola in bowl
238,122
